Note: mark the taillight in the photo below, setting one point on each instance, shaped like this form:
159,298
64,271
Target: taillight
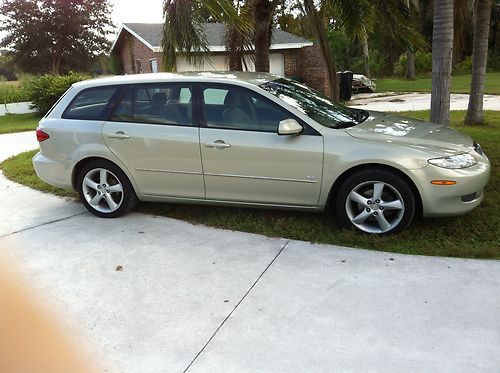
41,136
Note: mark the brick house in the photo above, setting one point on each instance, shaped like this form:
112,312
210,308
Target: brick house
138,48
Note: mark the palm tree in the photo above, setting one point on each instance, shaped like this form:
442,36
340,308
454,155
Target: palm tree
357,16
410,54
183,28
238,42
482,12
366,53
183,31
263,11
319,30
442,50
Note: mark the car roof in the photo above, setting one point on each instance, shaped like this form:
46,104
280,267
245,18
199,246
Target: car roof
193,76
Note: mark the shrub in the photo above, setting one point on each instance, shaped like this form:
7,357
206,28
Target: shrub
45,90
12,92
423,64
494,61
463,67
376,62
7,74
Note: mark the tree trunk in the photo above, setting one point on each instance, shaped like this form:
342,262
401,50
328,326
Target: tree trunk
366,55
410,57
320,32
263,17
56,63
442,51
482,13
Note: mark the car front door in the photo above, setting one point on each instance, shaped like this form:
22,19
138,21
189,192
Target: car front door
245,160
152,133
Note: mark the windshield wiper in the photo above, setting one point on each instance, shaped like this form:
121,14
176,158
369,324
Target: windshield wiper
345,125
363,116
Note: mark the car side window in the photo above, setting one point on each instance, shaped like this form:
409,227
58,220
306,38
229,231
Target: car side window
269,115
241,109
91,104
156,104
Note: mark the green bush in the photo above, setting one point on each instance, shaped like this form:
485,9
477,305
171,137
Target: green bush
423,64
463,67
376,62
45,90
494,61
12,92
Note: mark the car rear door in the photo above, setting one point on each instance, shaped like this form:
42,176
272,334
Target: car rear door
151,131
245,160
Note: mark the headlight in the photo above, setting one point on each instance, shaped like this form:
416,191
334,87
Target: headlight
454,161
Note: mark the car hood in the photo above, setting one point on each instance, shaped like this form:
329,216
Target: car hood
413,132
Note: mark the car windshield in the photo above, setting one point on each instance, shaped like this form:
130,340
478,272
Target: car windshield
315,105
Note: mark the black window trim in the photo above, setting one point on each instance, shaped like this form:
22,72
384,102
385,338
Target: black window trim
308,130
109,106
134,86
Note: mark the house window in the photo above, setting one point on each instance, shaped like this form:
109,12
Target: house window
153,65
138,66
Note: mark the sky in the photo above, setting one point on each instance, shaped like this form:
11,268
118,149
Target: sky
145,11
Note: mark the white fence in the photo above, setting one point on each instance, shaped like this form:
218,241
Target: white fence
15,108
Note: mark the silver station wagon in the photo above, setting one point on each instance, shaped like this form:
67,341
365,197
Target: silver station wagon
256,140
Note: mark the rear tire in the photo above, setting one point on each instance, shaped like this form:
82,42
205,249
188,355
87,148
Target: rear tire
375,202
105,190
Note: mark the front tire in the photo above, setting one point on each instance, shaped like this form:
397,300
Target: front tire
105,190
375,202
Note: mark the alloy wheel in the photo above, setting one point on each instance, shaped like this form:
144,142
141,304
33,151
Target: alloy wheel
102,190
375,207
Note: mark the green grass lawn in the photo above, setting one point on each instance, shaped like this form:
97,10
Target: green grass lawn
459,84
18,122
474,235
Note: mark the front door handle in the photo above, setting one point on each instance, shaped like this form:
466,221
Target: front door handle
219,144
118,135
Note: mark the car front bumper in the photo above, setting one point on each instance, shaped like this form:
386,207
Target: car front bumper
452,200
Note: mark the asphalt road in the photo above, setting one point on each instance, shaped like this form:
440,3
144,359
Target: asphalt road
153,294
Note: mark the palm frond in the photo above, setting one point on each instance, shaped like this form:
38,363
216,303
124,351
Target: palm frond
224,11
355,16
182,33
400,23
239,43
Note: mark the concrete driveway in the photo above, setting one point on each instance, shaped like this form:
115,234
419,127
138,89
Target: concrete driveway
198,299
387,101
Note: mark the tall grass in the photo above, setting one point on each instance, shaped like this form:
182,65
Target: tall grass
13,92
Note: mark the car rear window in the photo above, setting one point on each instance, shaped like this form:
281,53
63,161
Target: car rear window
91,104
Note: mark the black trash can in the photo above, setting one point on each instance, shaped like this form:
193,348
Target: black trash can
345,78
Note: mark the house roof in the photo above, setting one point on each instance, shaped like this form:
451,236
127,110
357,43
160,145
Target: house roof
150,35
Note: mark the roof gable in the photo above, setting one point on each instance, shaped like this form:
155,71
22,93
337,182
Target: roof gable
150,35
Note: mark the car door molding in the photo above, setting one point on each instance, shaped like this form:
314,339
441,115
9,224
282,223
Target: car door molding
169,171
308,180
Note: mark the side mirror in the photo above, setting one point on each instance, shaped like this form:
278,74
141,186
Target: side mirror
289,127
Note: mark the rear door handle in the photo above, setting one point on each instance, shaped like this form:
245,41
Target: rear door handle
118,135
219,144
